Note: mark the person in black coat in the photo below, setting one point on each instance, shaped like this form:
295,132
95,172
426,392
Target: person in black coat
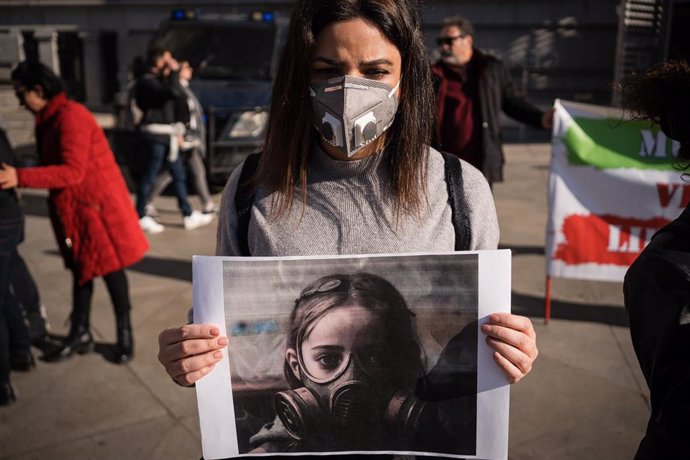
15,350
472,89
657,285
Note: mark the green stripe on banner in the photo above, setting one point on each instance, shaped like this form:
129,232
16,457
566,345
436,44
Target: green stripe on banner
613,143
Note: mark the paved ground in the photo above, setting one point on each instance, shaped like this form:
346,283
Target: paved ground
585,399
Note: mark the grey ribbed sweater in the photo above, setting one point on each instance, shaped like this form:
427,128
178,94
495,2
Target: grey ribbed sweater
349,210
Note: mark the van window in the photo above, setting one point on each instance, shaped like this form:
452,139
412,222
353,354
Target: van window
244,50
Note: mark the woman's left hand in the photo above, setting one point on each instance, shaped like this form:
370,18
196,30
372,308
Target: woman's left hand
8,176
514,342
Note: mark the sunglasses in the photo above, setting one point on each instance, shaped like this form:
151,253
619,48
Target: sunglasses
440,41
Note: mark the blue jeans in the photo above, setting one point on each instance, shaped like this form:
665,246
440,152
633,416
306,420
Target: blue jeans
13,332
158,153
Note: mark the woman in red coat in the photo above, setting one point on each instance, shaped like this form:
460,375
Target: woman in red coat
92,213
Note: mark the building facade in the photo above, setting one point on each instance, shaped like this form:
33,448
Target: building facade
570,49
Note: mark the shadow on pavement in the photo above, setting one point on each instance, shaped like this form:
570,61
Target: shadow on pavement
528,305
167,268
157,266
523,304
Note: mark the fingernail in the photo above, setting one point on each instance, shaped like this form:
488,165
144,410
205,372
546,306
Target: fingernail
222,341
486,328
215,331
218,355
494,318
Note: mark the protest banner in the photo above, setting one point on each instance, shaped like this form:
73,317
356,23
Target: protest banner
354,354
612,184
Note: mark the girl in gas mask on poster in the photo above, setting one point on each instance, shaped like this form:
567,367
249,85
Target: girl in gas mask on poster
352,364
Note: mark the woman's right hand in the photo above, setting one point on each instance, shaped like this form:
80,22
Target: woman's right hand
8,176
190,352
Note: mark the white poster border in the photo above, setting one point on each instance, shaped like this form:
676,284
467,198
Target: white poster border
214,397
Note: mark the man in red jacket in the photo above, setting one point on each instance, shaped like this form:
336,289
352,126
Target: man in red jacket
472,90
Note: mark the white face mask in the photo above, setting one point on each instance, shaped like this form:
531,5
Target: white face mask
350,112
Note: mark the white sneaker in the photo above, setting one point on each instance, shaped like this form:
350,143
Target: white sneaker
196,220
149,225
210,208
151,210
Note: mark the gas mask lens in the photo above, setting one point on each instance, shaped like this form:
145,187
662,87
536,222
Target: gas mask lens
324,365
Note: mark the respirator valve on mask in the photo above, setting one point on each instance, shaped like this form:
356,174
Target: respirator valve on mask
365,129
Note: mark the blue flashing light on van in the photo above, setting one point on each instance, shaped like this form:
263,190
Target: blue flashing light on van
262,16
184,14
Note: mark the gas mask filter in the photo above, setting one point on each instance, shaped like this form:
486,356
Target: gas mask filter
348,404
350,112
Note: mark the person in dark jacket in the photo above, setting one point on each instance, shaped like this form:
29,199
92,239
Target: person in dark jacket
160,96
25,290
473,88
193,148
22,282
15,353
91,211
657,285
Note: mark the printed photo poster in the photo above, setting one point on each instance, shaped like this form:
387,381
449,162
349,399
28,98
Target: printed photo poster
357,354
612,185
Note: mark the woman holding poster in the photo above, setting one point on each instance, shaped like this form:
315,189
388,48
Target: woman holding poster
657,285
347,167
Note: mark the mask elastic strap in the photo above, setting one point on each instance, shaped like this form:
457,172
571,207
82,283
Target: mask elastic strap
395,89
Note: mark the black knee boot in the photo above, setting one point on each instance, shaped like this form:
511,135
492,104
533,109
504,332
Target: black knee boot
119,294
79,339
125,339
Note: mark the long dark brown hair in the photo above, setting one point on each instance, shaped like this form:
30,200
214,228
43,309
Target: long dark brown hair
290,135
662,94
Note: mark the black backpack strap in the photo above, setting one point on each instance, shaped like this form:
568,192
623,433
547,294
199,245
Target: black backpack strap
244,197
457,202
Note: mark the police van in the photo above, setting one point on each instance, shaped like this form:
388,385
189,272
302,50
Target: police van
234,58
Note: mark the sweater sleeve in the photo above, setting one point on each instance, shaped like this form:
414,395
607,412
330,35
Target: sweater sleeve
227,243
74,149
482,211
514,104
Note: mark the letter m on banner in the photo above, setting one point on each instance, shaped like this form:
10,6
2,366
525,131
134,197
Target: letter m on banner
611,187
